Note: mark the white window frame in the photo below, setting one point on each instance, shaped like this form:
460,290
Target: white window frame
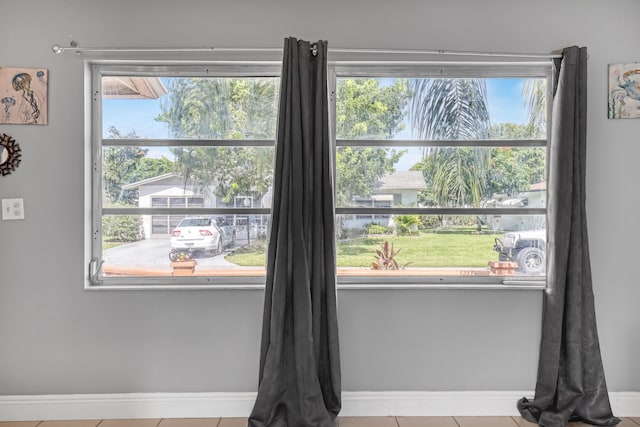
95,70
435,70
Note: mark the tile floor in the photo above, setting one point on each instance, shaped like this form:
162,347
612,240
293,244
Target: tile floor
344,422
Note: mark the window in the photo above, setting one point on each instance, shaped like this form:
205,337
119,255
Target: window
440,173
182,171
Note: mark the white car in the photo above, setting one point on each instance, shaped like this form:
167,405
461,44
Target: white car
208,235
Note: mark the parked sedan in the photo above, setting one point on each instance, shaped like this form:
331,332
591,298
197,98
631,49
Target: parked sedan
208,235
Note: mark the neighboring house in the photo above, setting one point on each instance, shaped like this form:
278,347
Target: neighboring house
536,197
397,189
403,186
171,191
168,191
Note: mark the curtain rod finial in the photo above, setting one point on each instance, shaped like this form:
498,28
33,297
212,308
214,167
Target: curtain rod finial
56,48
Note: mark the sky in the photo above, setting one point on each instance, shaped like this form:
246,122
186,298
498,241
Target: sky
504,97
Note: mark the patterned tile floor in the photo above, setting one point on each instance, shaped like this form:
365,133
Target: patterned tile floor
344,422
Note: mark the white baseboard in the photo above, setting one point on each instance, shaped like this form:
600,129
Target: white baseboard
215,405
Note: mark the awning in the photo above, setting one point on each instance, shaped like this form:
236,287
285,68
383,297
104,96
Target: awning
132,87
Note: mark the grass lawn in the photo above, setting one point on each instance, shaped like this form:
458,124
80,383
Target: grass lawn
456,248
109,245
250,256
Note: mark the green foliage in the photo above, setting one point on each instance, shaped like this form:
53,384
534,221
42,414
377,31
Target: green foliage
406,224
366,108
235,170
121,228
374,228
535,95
124,165
223,108
359,168
250,255
449,109
452,109
513,170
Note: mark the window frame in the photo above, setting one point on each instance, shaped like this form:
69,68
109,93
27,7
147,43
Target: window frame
439,70
96,69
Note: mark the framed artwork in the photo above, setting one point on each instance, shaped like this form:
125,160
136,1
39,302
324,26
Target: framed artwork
624,91
23,96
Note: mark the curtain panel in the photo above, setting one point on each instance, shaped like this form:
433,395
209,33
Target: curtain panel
299,379
571,384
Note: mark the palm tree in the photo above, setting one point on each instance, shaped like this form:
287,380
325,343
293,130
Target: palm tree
452,109
535,94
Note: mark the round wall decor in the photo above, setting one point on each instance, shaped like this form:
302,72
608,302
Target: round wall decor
9,154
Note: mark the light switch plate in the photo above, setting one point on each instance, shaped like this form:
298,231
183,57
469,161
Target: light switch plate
12,209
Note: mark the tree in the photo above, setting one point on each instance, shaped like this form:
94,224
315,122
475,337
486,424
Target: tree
452,109
359,168
367,108
223,108
124,165
120,166
513,170
535,95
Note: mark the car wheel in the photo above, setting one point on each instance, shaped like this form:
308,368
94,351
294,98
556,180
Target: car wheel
219,249
532,261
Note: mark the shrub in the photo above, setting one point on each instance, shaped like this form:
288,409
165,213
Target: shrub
374,228
406,224
122,228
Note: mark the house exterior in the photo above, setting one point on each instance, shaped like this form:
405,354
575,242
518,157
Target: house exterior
168,191
397,189
535,197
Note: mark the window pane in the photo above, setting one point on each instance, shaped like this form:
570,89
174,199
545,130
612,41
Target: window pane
441,108
195,202
177,202
160,225
441,245
159,202
212,177
161,107
218,247
492,177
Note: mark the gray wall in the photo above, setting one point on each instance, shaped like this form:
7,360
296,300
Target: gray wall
57,338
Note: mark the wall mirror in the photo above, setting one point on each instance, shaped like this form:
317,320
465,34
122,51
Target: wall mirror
10,155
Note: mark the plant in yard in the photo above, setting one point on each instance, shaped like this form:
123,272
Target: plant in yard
406,224
374,228
385,258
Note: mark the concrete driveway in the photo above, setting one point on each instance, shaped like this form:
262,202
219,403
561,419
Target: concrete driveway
154,252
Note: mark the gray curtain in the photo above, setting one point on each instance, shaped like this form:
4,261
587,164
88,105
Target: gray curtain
299,380
571,384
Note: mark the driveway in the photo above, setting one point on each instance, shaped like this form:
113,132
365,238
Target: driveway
153,252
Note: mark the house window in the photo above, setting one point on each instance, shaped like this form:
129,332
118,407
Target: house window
182,172
441,174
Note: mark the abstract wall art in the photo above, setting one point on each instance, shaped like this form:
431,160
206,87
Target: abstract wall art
624,91
23,96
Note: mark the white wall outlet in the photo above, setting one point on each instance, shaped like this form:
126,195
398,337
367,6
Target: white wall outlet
12,209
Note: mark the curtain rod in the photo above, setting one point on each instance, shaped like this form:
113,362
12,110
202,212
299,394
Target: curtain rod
56,48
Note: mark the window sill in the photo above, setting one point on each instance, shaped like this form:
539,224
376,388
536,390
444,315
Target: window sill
348,279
